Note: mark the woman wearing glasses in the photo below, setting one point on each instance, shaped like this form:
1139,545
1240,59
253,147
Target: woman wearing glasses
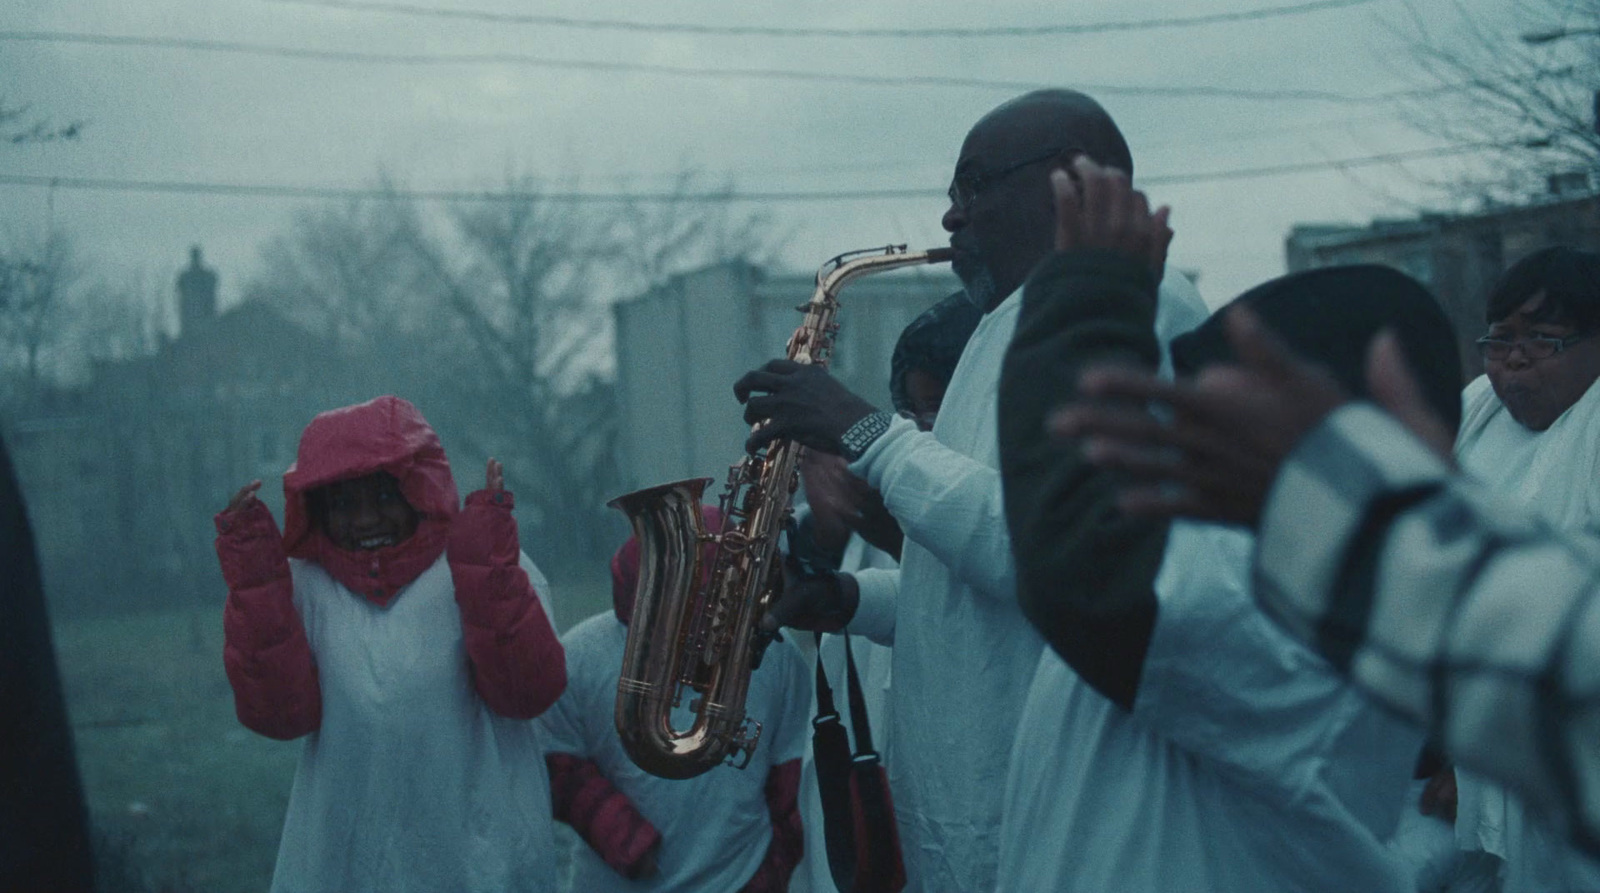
1531,430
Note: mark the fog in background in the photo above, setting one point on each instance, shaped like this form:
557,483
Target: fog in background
443,198
193,115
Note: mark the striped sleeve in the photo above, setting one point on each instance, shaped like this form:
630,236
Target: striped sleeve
1467,616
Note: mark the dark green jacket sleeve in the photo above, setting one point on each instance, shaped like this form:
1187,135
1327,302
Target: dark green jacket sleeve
1085,572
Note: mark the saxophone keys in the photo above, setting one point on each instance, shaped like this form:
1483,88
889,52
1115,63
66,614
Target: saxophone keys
745,743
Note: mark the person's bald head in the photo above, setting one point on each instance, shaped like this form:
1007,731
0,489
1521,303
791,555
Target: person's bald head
1002,216
1046,119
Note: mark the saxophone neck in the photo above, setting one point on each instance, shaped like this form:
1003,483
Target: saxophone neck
853,264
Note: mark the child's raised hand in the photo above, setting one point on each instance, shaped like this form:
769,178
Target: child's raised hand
496,478
244,498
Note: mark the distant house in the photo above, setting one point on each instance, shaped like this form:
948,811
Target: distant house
124,475
1458,256
680,348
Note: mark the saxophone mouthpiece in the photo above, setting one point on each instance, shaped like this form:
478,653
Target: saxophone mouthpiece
940,255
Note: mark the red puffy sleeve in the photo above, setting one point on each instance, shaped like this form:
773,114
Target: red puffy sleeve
603,816
265,650
788,840
519,667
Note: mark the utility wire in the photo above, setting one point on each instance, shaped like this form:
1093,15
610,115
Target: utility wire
1276,170
555,21
255,49
943,163
102,184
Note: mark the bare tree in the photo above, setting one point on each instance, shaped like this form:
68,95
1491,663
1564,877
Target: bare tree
692,227
1524,89
118,318
344,271
495,315
36,311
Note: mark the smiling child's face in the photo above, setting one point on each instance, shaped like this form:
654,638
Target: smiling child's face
366,513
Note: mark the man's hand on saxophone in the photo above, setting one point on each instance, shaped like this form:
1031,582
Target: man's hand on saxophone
803,403
821,602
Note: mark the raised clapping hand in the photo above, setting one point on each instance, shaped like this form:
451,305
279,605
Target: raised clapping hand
1231,428
245,498
1097,208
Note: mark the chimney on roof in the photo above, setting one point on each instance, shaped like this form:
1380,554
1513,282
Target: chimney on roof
197,295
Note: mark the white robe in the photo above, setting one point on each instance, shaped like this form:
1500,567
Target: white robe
1193,790
1246,764
412,784
714,827
964,654
1556,473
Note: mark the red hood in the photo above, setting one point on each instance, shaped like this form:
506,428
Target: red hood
385,434
625,566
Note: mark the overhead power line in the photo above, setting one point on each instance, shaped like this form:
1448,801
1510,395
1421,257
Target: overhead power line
255,49
1278,170
556,21
247,190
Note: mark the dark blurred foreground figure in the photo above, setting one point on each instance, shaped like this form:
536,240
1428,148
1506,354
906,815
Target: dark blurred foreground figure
44,830
1456,607
1173,738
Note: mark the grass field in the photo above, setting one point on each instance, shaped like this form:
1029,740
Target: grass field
184,798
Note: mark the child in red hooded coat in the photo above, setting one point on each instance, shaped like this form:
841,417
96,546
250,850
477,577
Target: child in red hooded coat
408,642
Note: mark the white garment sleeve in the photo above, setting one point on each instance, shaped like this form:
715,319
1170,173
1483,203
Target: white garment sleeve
874,617
568,722
1220,681
947,503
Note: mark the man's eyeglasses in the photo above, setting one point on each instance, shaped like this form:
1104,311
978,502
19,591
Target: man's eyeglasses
966,185
1534,347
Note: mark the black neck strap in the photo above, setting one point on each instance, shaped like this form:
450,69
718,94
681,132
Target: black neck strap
857,702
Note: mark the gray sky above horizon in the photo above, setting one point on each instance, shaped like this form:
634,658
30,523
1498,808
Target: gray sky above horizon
201,116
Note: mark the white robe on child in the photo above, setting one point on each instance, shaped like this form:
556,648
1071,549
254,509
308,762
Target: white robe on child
714,827
1555,472
412,784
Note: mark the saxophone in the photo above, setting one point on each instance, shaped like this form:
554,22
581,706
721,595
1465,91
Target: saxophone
695,627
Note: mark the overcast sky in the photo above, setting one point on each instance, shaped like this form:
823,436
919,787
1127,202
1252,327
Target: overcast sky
210,117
